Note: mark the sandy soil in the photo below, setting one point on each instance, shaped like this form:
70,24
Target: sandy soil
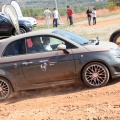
71,102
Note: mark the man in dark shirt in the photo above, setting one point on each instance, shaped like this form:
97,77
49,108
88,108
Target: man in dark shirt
89,12
37,45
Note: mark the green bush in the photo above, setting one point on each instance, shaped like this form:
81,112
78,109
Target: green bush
111,6
32,12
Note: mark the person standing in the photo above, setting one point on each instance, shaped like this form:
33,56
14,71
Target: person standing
69,13
47,14
55,17
94,16
89,12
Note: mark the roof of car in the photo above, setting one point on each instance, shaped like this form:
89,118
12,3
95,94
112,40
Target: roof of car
38,32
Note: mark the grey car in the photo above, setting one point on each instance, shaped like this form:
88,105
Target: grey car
55,57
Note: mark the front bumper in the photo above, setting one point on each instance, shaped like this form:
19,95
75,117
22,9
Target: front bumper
29,28
115,71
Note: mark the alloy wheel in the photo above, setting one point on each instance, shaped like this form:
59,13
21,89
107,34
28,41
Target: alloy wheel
96,75
5,89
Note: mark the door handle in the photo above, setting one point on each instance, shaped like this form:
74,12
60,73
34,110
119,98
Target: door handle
26,63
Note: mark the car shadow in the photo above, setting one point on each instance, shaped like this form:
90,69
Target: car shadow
54,91
113,81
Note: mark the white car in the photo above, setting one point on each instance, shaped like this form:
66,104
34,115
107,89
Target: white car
19,13
30,19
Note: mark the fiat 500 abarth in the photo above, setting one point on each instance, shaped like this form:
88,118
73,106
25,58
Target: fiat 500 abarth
55,57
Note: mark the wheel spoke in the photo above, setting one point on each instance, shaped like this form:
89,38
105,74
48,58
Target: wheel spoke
3,94
0,84
4,89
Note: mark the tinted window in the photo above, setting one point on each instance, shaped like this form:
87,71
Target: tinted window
15,48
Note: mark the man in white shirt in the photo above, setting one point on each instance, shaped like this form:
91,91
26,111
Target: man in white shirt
55,17
94,16
46,43
47,14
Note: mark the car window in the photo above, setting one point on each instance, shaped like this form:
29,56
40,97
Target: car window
15,48
45,43
54,42
34,44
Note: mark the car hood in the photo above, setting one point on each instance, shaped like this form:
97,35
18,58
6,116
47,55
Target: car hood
32,20
102,46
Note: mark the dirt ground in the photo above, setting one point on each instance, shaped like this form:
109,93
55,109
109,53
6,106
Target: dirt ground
73,102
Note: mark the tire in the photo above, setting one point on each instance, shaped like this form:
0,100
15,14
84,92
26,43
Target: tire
95,74
115,37
5,89
22,30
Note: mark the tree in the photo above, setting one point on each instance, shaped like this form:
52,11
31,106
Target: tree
117,2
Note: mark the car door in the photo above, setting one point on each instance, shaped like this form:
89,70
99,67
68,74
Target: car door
10,62
48,65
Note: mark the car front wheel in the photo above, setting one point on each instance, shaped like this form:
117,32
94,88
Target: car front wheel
95,74
22,30
5,89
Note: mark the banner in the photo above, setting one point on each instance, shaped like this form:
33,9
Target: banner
17,8
3,8
11,13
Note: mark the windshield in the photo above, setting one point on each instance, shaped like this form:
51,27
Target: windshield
76,38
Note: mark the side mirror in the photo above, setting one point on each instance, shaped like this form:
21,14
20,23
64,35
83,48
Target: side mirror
61,47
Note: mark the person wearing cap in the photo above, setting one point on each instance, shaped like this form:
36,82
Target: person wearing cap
89,12
69,13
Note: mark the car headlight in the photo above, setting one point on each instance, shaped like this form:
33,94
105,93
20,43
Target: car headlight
116,54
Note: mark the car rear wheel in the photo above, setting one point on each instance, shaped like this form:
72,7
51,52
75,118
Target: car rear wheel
22,30
5,89
115,37
95,74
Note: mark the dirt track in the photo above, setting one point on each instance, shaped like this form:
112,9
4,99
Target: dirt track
69,102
